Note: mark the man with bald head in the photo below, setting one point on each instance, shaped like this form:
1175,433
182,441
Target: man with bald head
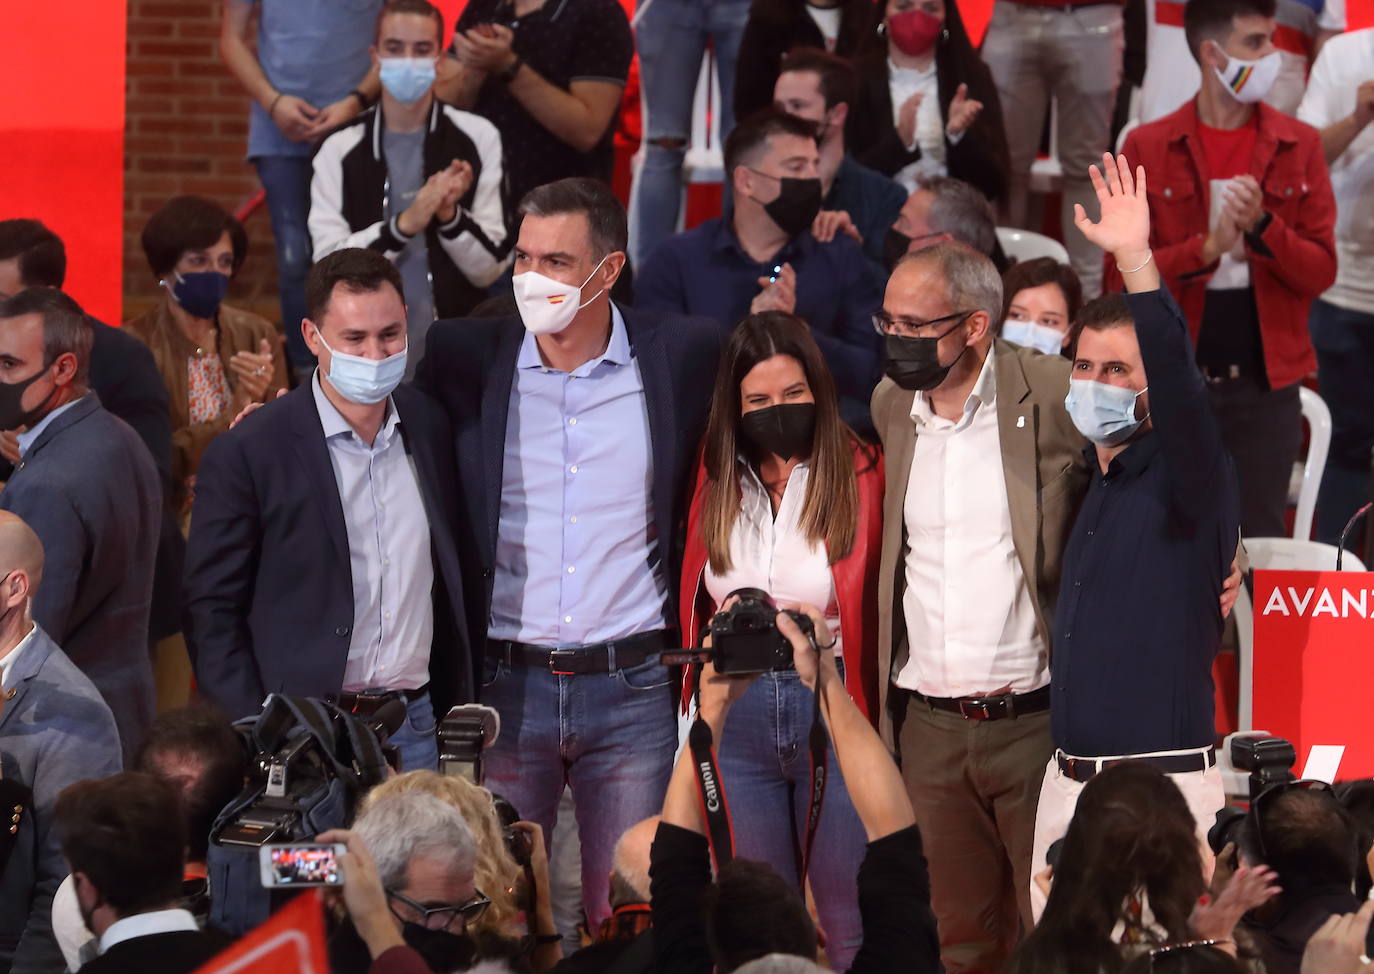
54,730
985,472
625,941
89,489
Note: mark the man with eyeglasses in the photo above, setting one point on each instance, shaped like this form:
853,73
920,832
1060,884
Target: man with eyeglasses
985,473
426,858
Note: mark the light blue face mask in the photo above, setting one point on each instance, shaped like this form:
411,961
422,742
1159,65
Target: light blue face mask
1104,414
407,78
1029,334
363,380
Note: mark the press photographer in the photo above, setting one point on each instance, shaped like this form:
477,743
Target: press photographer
751,911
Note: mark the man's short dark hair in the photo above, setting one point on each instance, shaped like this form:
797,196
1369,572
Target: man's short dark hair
189,223
66,329
421,7
1309,840
606,225
126,834
839,82
1101,314
42,257
196,750
749,136
751,912
356,269
1212,20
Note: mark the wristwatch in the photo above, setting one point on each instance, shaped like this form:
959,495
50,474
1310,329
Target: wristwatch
508,75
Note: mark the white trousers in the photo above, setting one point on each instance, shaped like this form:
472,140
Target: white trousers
1202,790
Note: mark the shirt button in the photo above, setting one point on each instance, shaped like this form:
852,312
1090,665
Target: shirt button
571,569
386,561
342,630
567,618
573,468
573,519
1077,584
1090,532
386,615
572,421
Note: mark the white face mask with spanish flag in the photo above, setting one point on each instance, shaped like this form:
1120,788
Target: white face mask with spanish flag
548,306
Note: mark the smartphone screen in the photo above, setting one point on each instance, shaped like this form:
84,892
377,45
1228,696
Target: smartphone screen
302,864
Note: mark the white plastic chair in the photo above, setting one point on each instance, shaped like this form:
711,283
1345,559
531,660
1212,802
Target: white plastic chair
1027,245
1307,475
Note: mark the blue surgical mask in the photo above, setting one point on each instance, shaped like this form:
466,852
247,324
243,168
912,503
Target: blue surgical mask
200,292
407,78
1029,334
1104,414
363,380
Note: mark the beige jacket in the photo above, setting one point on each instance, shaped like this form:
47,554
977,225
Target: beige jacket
1046,474
239,331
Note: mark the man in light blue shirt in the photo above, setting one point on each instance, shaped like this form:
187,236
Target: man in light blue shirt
312,71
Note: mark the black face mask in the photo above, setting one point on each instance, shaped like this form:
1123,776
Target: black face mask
786,431
12,414
798,202
914,363
443,952
895,245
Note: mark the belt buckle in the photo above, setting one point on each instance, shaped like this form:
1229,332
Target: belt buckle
554,656
974,709
1074,772
365,703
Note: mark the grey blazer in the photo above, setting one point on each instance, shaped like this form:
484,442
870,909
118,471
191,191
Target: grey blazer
54,731
90,490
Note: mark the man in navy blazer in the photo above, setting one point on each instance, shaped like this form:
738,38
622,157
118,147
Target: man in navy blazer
87,486
576,426
321,560
54,730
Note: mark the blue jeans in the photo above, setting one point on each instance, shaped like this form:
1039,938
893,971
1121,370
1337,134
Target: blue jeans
765,768
1344,341
287,182
416,740
671,39
610,738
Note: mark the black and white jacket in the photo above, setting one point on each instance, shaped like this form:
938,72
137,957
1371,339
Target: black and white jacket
348,197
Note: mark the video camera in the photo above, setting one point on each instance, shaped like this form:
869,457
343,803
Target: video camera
1269,760
745,637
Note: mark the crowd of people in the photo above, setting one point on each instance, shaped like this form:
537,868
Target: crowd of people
511,444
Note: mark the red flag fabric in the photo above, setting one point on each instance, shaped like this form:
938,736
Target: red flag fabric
292,941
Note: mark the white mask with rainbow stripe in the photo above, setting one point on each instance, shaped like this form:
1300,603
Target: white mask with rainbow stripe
1249,81
548,306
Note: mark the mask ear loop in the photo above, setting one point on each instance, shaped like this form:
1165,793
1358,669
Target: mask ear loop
588,281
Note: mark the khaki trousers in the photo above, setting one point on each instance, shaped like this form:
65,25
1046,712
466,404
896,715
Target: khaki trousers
974,786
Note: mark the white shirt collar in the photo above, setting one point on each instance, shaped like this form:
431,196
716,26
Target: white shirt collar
7,663
27,439
333,422
984,393
913,74
147,924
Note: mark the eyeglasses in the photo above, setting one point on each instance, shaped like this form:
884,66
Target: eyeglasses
885,324
1266,798
442,917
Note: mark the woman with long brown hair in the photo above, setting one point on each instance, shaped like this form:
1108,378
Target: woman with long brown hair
788,500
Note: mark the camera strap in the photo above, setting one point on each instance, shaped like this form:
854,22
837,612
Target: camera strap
720,833
819,746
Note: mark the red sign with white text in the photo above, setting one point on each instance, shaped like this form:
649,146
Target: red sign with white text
1313,664
292,941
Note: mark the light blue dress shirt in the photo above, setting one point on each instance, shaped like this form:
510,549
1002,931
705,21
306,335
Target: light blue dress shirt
576,555
27,438
388,552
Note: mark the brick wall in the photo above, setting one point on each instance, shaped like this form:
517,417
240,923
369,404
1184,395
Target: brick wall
186,132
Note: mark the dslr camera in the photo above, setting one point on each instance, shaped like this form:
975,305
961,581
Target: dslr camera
1269,760
745,637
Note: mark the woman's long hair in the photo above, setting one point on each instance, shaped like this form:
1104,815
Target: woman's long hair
830,512
1132,839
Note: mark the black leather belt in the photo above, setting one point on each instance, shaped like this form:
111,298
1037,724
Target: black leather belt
582,660
365,703
1083,769
990,708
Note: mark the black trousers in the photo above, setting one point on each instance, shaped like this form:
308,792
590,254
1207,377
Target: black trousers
1262,429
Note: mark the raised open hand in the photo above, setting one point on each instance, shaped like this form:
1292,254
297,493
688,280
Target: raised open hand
1124,227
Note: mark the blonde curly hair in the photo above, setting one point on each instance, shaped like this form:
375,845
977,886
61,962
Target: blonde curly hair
496,871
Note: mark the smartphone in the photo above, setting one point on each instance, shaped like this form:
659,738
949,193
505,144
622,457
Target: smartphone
301,864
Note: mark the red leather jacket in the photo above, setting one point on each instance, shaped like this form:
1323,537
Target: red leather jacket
1292,262
855,575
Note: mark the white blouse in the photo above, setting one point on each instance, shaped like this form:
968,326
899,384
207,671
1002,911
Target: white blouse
772,554
930,124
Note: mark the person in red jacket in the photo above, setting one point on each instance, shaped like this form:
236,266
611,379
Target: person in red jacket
1242,220
788,500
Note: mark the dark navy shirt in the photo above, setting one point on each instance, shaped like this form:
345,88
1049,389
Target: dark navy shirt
872,200
1139,620
704,271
